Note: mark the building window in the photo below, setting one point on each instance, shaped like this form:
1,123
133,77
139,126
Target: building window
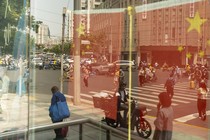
173,32
135,21
144,14
192,10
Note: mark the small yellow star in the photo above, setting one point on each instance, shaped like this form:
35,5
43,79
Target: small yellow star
83,52
189,55
208,42
180,48
201,54
195,23
88,47
80,30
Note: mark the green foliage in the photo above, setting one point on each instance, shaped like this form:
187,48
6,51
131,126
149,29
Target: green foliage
97,42
57,49
14,10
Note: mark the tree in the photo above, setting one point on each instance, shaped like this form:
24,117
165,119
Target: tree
57,48
97,42
9,15
35,24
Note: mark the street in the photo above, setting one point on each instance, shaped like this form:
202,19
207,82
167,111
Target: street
184,100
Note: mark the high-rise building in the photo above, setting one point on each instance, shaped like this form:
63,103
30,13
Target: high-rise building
43,34
70,25
83,18
93,4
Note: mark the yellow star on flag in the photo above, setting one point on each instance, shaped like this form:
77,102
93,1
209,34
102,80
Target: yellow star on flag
80,30
208,42
180,48
195,23
189,55
88,47
201,54
83,52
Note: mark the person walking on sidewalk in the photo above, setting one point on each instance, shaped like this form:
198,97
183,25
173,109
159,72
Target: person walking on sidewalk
86,76
201,100
56,94
164,120
169,85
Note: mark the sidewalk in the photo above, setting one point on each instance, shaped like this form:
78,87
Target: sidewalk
15,115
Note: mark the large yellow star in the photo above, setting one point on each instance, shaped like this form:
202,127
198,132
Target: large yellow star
201,54
180,48
189,55
195,23
80,30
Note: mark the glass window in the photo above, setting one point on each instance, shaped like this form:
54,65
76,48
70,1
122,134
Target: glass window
44,45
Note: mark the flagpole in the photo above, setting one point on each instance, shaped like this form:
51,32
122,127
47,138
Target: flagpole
77,83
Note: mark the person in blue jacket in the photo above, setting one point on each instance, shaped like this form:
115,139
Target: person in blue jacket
57,95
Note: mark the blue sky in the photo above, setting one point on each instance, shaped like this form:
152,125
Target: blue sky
50,12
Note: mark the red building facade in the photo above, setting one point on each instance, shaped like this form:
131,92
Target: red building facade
165,29
159,31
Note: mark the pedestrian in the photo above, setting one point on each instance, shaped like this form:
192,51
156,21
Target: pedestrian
141,75
198,75
118,77
201,100
57,95
156,65
169,85
164,120
178,73
86,76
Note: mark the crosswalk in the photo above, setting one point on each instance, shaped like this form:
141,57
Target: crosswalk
148,95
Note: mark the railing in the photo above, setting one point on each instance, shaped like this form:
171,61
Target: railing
110,132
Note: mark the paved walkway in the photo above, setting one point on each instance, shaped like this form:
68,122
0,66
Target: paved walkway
15,115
